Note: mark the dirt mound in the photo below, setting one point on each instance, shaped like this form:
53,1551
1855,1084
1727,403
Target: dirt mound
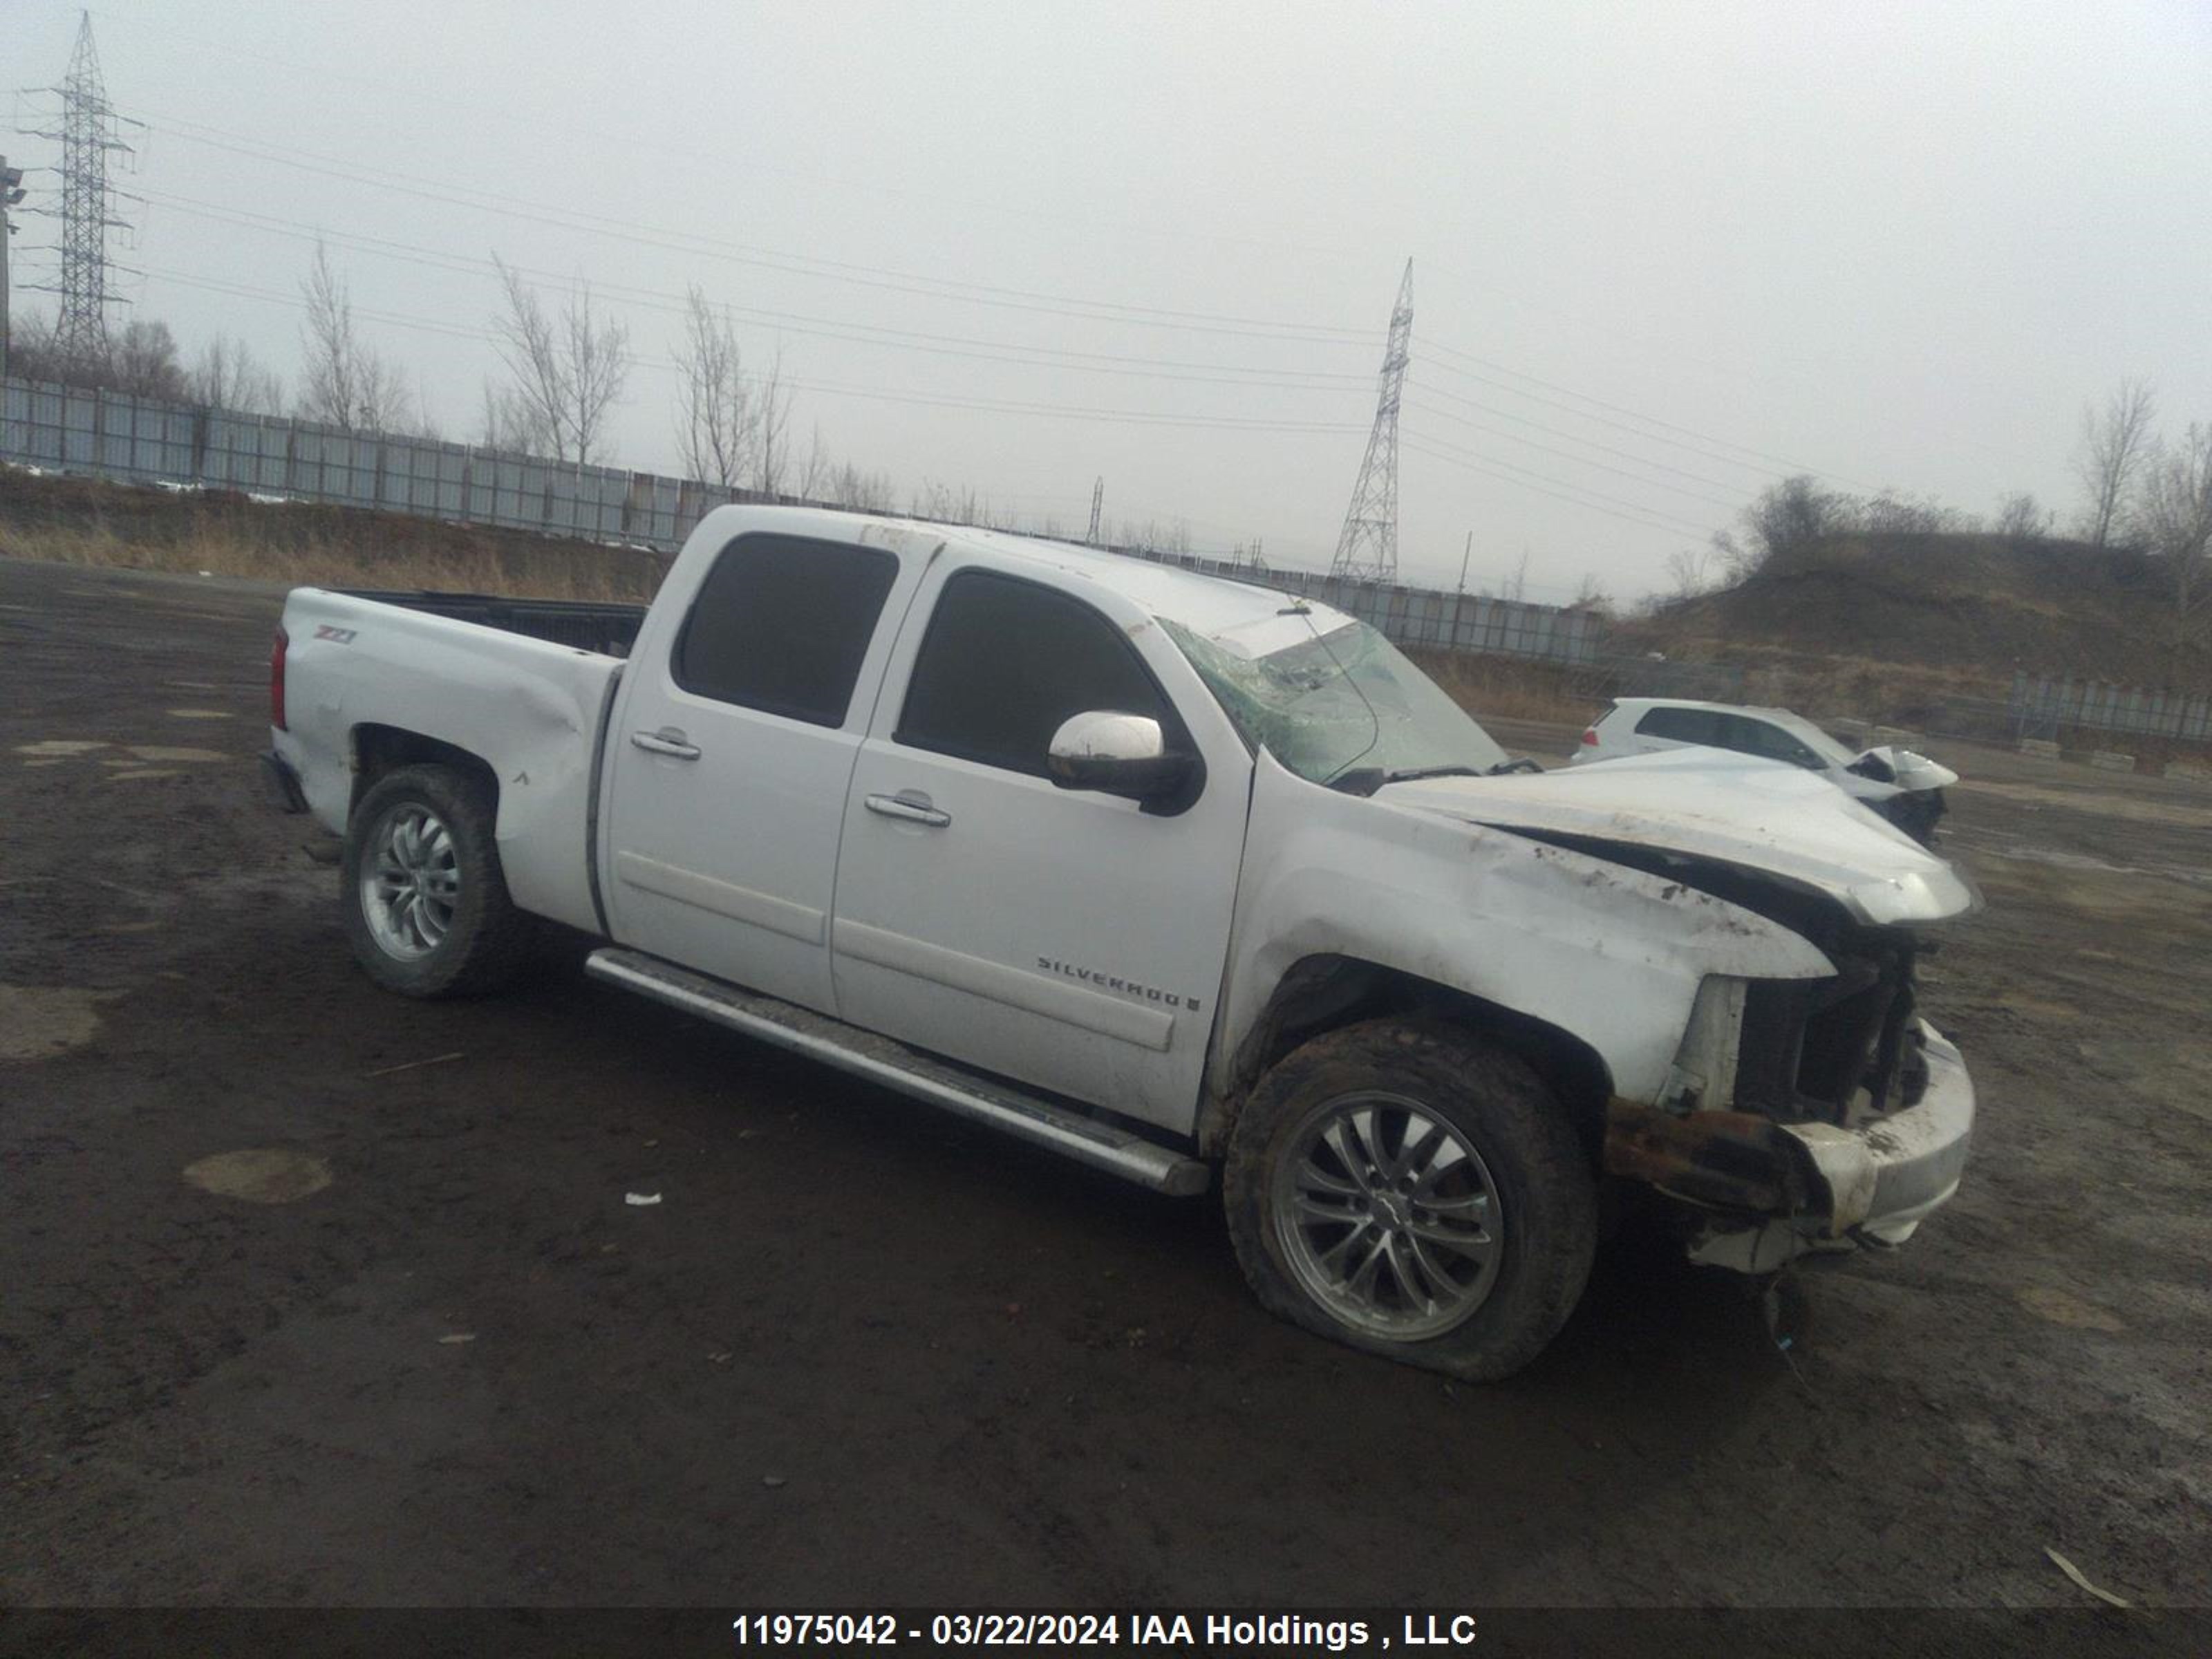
1975,607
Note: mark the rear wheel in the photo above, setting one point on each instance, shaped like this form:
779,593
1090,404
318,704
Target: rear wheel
1410,1189
426,905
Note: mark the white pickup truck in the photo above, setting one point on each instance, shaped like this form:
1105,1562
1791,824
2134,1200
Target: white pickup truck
1167,874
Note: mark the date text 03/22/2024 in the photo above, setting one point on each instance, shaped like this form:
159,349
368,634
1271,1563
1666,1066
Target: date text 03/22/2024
1245,1630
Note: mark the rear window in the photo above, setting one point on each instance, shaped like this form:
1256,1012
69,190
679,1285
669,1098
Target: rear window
782,624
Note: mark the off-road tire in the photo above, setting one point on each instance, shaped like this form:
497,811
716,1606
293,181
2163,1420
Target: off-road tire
488,940
1546,1189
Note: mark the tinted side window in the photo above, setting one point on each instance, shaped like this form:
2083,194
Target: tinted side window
780,625
1005,661
1682,725
1758,738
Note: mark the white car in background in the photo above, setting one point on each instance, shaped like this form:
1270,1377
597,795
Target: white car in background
1904,787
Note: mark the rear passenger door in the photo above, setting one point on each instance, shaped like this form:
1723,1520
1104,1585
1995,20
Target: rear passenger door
1067,939
732,748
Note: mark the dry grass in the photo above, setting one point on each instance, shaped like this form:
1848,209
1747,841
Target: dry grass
1505,688
82,522
619,577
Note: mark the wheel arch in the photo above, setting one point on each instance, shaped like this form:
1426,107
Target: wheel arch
380,749
1326,992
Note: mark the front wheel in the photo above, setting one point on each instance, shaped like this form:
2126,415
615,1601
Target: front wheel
427,909
1406,1187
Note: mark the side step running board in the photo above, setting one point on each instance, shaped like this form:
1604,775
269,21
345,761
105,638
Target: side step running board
1002,1106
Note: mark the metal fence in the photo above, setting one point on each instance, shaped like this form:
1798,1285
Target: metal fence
2043,707
139,441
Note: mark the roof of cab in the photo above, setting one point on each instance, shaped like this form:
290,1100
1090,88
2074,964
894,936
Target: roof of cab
1240,615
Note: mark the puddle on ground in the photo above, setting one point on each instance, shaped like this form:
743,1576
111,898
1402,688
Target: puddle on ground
59,747
198,713
260,1175
144,772
37,1022
157,751
2063,1308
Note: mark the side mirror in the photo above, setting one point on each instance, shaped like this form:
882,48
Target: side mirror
1120,755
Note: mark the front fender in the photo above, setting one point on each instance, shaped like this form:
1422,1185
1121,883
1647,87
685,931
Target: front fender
1610,955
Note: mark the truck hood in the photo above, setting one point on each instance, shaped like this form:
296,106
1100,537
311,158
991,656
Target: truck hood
1736,810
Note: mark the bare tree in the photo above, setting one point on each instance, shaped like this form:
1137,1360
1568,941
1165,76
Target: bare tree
1515,588
2176,520
1891,513
815,473
568,371
714,412
1591,596
1690,568
227,375
141,360
1793,514
863,492
2021,518
599,368
943,504
505,423
344,383
772,429
530,410
2116,445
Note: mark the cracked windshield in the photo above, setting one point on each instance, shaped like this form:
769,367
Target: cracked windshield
1340,703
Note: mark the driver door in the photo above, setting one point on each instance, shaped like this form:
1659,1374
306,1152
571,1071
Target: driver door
1066,939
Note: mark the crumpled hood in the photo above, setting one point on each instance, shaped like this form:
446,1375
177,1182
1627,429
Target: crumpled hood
1910,770
1736,809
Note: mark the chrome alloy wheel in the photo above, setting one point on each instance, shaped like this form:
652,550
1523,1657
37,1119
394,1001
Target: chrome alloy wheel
410,881
1386,1217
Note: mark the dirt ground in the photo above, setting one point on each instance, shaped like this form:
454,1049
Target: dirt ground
421,1351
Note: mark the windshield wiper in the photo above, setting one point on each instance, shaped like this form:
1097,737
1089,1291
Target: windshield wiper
1411,774
1366,780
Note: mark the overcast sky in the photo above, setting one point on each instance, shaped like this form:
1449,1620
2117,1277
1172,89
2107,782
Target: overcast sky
1662,253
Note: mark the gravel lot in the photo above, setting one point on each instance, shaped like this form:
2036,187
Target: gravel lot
859,1354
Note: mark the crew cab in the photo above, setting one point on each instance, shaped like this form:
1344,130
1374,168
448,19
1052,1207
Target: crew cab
1179,878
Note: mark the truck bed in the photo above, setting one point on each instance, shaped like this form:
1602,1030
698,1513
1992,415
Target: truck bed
609,629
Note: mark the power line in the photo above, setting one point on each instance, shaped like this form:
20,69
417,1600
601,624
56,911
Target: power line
1583,460
1562,488
964,292
798,323
1568,437
1028,300
1087,223
938,288
1704,438
1126,417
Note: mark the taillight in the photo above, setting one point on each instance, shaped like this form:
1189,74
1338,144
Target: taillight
1589,732
276,680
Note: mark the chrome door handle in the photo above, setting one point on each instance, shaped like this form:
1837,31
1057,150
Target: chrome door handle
666,741
913,811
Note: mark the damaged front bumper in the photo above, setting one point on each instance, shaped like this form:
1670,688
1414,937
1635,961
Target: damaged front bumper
1766,1192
